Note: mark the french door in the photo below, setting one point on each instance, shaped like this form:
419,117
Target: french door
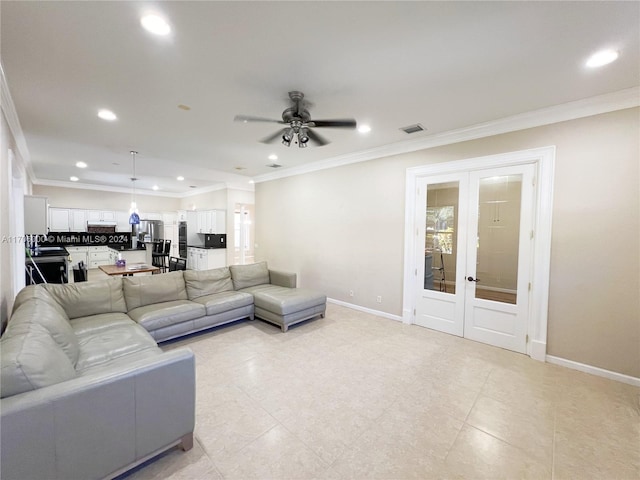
475,253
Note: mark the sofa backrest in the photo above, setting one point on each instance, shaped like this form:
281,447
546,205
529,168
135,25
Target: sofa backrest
149,289
89,298
57,324
31,359
30,292
206,282
244,276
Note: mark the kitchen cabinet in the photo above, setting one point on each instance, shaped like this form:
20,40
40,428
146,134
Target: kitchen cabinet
77,220
35,214
78,254
182,216
59,219
101,255
206,258
101,216
122,222
150,216
211,221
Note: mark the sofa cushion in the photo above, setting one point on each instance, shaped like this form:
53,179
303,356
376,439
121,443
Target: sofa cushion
144,290
95,323
224,301
105,345
31,359
37,291
284,301
160,315
205,282
89,298
244,276
57,324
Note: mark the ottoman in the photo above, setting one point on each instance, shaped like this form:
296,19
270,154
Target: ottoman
286,306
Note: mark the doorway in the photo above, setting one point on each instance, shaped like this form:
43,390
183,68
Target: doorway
477,256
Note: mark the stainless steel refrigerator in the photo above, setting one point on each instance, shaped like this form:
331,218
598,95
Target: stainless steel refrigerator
147,231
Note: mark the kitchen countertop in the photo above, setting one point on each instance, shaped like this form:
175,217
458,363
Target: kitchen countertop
206,248
47,251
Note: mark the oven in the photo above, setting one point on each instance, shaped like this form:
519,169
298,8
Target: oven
182,239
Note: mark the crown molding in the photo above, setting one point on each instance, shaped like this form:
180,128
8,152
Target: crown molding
9,111
153,193
609,102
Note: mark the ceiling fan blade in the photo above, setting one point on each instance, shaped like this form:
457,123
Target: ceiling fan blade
250,118
318,139
338,123
276,136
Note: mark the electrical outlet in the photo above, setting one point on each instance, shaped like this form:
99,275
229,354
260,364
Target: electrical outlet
379,299
351,293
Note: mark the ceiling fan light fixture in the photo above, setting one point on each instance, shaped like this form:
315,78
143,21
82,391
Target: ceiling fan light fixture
287,137
303,138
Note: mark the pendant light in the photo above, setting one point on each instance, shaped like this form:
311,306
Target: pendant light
134,218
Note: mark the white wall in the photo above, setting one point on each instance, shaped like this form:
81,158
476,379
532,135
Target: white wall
343,229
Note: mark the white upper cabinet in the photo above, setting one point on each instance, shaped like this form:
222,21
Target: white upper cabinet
35,214
77,220
59,219
122,222
211,221
101,216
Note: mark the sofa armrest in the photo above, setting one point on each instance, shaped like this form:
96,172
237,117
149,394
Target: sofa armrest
282,279
94,425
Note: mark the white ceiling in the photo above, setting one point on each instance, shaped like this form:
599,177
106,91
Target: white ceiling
445,65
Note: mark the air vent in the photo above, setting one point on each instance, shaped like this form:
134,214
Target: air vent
274,165
413,128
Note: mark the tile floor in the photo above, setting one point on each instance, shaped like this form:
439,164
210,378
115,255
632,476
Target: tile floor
355,396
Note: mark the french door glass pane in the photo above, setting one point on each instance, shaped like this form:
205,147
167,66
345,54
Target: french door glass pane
498,238
441,237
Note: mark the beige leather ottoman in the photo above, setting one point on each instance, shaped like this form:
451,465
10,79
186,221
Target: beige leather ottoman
287,306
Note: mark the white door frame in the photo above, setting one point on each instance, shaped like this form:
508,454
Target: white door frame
544,160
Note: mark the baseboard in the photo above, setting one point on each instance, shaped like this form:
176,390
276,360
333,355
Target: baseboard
600,372
390,316
538,350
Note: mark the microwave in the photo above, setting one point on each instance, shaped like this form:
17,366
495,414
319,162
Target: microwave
214,240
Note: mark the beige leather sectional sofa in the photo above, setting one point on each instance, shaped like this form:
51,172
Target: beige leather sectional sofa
87,393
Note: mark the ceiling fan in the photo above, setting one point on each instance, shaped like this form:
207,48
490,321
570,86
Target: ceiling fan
299,124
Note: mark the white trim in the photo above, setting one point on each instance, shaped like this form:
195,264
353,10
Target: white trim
544,160
609,102
600,372
538,350
155,193
378,313
9,110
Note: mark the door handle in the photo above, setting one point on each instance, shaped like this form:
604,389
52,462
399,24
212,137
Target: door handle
471,279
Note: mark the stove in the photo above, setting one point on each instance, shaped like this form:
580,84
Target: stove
47,265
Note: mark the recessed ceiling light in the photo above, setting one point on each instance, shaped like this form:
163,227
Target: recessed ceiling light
74,179
107,115
155,187
81,165
364,128
252,181
273,157
180,178
155,24
603,57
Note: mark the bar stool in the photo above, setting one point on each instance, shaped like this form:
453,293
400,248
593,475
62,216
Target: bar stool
157,255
